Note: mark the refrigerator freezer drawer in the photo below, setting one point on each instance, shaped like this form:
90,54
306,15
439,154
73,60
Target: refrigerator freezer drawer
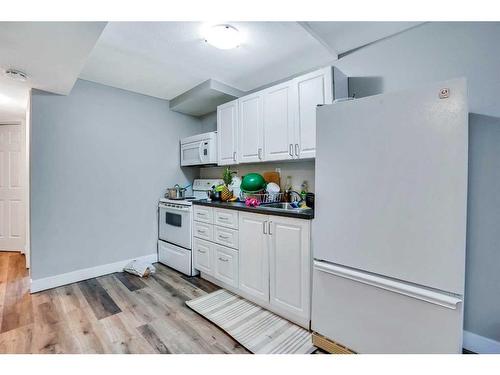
370,314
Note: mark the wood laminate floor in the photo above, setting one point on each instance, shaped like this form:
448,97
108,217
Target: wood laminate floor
117,313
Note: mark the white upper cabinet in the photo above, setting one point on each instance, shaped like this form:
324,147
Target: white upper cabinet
312,89
227,133
277,123
250,143
278,116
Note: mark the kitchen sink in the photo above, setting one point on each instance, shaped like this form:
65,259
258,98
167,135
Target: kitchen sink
284,206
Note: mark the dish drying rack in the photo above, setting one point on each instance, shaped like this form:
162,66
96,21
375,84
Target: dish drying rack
264,197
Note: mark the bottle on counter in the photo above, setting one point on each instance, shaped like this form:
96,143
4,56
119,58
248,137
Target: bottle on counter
303,192
288,188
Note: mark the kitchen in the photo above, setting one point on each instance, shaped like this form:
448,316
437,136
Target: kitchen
239,192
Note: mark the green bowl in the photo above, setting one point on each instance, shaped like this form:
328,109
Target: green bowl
253,182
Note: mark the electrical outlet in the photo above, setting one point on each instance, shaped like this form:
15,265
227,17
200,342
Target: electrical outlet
277,170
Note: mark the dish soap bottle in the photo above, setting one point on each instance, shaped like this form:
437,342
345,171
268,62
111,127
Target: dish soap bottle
303,192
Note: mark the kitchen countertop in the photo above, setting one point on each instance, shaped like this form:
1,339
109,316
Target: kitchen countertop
240,206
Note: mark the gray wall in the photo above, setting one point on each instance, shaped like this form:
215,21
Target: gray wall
101,158
209,122
439,51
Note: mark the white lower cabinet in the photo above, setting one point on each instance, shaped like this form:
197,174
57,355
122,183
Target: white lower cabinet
203,255
267,259
290,265
226,265
254,256
275,264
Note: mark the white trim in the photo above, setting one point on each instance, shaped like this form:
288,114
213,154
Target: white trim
86,273
480,344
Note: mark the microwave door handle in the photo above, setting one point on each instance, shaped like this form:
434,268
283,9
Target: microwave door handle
200,152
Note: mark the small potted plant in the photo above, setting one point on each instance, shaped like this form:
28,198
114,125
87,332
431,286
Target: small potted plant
227,177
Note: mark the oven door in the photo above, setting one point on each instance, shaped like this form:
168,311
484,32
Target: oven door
175,225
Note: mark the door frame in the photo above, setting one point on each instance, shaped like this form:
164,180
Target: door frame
26,128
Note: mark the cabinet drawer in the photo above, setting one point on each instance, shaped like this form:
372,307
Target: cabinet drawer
203,214
226,265
226,218
174,256
226,236
203,230
202,254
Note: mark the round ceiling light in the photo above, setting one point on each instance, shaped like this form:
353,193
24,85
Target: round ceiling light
223,36
16,75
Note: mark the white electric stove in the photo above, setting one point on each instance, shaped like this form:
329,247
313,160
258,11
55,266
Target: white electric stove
175,222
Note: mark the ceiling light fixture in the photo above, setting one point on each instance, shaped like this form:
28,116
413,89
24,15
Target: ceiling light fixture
16,75
223,36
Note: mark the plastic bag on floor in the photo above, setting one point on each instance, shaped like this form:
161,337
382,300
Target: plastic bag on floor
140,268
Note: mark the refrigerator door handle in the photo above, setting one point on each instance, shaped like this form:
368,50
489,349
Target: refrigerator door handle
436,298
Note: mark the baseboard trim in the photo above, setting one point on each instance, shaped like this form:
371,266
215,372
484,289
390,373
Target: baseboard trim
480,344
85,273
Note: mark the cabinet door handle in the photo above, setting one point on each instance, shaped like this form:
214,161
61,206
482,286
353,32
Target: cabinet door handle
264,224
234,155
297,149
201,251
290,150
270,228
223,259
260,153
223,237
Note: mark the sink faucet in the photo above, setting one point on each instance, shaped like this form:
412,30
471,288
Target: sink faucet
298,194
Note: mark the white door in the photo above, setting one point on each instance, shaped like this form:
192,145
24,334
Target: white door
250,128
278,116
12,188
227,132
290,265
313,89
254,256
395,203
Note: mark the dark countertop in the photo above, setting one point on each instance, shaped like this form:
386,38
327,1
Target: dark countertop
240,206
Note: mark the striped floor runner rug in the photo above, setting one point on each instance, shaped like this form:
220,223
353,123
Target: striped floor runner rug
258,330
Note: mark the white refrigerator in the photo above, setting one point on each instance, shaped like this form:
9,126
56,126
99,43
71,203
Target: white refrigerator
390,220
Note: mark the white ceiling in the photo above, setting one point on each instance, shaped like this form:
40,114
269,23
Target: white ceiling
164,59
51,53
345,36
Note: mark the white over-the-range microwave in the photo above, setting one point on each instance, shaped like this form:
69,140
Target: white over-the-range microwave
200,149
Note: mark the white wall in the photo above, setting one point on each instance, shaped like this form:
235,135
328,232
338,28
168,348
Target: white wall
209,122
435,52
100,160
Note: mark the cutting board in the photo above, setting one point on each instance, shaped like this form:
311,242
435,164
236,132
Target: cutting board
272,177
